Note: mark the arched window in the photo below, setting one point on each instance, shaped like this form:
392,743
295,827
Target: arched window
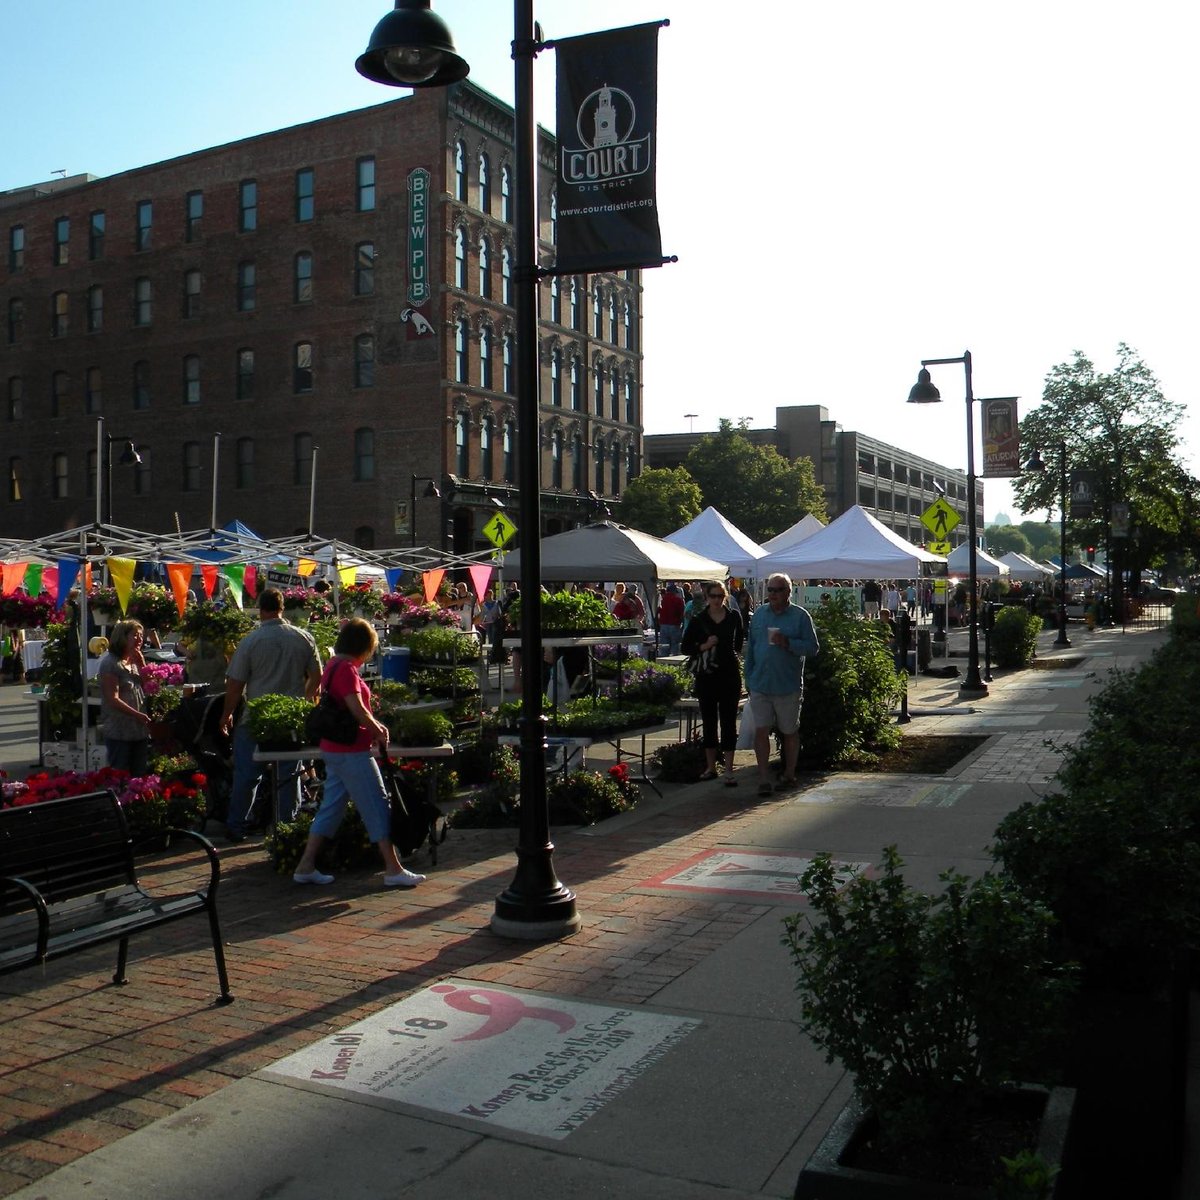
191,379
460,257
506,213
462,451
247,288
485,357
16,319
628,325
143,301
364,455
598,459
485,269
575,314
302,457
303,278
555,300
59,314
598,390
556,457
244,476
630,405
509,449
612,319
16,396
460,172
191,294
506,347
364,269
556,377
364,537
615,472
461,341
506,296
364,360
597,315
577,476
576,386
554,216
614,404
302,368
487,430
485,184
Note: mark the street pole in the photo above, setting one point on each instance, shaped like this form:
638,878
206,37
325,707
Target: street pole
1062,639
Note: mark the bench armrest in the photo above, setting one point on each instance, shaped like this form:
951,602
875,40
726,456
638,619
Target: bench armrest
214,862
43,913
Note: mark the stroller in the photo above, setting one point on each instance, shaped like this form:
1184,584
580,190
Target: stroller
196,725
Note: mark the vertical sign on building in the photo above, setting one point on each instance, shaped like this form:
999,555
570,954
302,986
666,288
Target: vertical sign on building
418,253
1001,438
607,109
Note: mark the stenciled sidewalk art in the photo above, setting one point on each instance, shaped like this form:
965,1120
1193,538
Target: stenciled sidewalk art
523,1061
747,874
884,791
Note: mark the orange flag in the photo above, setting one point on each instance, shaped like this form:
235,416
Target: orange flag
432,580
14,573
180,575
208,576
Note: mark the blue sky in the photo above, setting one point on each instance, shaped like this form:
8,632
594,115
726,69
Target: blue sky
849,187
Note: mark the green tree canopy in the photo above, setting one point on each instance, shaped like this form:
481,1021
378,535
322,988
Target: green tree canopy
754,487
660,500
1003,539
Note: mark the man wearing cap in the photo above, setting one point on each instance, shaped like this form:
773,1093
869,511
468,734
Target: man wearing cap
274,659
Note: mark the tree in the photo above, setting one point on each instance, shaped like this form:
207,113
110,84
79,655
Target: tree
1003,539
660,501
754,487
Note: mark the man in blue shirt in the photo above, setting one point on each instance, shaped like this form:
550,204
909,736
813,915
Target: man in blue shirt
781,637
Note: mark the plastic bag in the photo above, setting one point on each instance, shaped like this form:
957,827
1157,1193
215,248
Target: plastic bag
747,728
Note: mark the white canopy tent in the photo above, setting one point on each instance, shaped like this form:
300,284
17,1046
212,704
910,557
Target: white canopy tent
713,536
959,563
793,535
854,546
1023,568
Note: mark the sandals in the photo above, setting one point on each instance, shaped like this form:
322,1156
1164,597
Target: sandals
729,781
709,775
765,789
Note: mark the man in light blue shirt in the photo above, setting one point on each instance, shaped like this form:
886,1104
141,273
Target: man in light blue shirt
781,637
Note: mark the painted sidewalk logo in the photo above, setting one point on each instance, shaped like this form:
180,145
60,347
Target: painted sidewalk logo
518,1060
752,874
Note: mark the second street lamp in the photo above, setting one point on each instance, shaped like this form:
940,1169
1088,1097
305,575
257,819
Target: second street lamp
1036,463
104,464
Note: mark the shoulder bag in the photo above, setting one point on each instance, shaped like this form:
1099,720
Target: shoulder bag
330,721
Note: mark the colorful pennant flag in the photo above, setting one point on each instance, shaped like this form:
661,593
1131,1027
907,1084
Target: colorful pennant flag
68,572
250,581
208,577
180,575
431,581
306,567
33,579
347,575
393,575
234,574
12,576
121,570
481,577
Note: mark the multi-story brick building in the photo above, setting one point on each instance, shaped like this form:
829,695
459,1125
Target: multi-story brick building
895,486
338,289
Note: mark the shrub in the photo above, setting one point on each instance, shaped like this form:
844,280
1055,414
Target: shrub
585,797
680,762
1014,636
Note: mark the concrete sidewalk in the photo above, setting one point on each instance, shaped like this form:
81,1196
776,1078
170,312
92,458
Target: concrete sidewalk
654,1054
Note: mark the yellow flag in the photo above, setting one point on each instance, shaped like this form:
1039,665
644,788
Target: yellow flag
347,575
306,567
121,570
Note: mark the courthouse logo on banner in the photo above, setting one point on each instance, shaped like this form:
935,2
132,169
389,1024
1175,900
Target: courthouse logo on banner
607,104
1001,440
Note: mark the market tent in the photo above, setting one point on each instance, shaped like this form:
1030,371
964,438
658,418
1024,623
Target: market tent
854,546
1083,571
959,562
1021,567
713,536
793,535
607,551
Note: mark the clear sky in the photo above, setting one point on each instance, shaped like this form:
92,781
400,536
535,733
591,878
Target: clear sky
850,187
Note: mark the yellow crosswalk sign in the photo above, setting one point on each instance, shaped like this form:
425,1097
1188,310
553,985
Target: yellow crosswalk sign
499,530
939,518
942,548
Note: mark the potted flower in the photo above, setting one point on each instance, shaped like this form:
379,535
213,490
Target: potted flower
937,1006
441,644
220,624
362,600
105,606
20,611
585,797
154,606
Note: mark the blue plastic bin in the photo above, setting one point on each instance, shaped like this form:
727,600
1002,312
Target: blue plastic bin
395,664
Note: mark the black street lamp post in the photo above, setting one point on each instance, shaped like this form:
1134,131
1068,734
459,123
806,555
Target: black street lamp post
412,47
1037,463
104,466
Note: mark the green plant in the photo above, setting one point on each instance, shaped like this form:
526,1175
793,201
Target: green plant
585,797
1014,636
222,624
154,606
931,1002
567,611
1026,1176
350,849
274,718
361,598
421,728
163,702
445,681
680,762
648,682
60,675
440,643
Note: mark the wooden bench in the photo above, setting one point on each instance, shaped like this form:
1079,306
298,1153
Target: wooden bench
68,882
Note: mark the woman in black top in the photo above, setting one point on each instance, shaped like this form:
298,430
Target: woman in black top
716,634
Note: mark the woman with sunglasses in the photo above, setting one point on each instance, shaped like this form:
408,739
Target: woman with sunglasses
714,636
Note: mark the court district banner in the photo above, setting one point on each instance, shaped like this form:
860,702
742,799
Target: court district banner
607,106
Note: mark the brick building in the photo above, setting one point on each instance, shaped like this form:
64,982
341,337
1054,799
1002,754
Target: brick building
339,289
895,486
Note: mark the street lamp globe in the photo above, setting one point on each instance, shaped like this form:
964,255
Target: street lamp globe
412,47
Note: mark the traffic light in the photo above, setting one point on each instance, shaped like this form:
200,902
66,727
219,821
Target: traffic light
1091,554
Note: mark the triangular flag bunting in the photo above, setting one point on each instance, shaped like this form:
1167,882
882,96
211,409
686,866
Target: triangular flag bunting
33,579
180,575
393,575
208,577
431,581
306,567
234,574
12,576
68,572
347,575
121,570
481,576
250,581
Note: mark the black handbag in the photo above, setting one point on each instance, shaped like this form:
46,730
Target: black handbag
331,722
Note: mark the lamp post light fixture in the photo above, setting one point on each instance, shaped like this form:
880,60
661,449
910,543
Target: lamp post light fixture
925,392
104,465
1037,463
412,47
431,493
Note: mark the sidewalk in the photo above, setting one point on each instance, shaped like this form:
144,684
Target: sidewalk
655,1054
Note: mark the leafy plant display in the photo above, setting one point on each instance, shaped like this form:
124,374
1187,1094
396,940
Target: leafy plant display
410,728
1014,636
601,716
445,682
440,643
224,625
931,1002
680,762
361,598
154,606
413,612
585,797
104,596
566,611
647,682
19,611
275,718
61,676
163,701
307,603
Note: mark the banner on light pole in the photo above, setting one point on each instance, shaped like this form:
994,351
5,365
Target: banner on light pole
1001,439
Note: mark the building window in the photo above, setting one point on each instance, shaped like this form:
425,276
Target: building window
191,293
509,449
506,213
630,405
244,389
16,320
247,287
485,269
302,368
93,391
598,459
574,303
506,276
364,180
141,384
193,212
244,475
60,488
462,450
461,342
615,472
576,386
364,537
485,184
60,385
577,475
556,377
145,223
302,275
612,319
141,472
62,241
248,206
364,455
555,300
460,257
15,490
16,398
364,360
556,456
597,315
598,390
59,314
302,457
191,379
485,357
554,217
191,467
304,194
487,432
506,349
631,462
16,248
143,301
614,391
628,325
89,474
460,172
364,269
95,309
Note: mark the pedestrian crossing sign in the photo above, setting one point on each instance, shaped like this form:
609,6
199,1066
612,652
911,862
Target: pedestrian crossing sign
939,518
499,530
942,548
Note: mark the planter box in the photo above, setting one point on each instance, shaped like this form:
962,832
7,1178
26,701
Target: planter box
827,1177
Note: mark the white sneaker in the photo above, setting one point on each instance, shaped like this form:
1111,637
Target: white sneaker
318,877
403,878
